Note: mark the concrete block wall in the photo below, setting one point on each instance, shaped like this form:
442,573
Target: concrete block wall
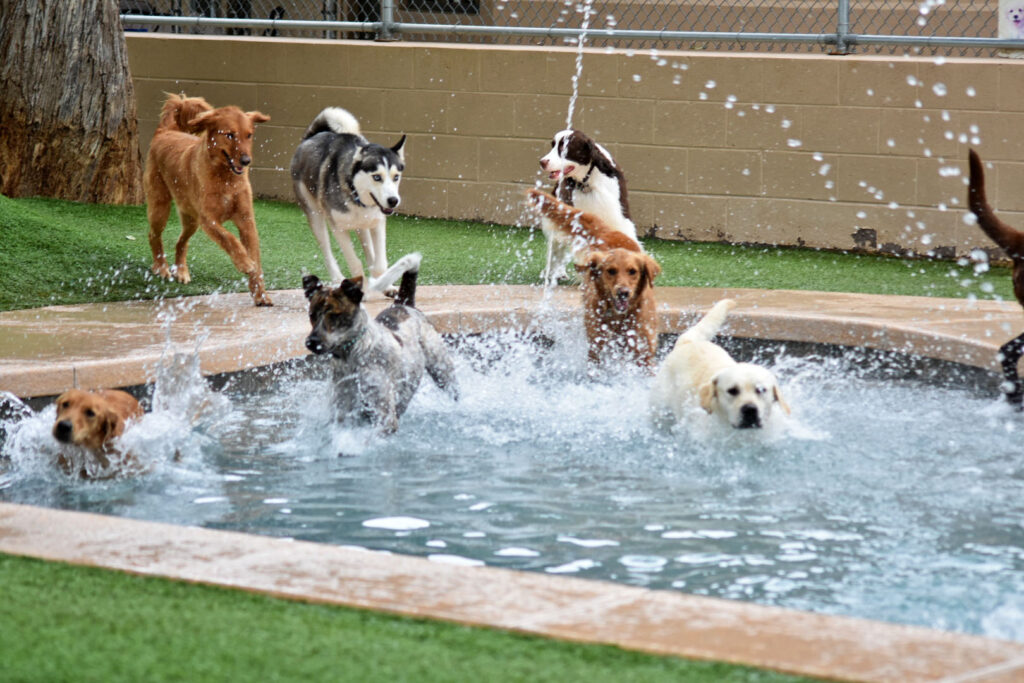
823,151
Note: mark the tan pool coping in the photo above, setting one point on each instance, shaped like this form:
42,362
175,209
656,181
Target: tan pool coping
43,351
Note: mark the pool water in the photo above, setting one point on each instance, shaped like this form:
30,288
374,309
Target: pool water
880,498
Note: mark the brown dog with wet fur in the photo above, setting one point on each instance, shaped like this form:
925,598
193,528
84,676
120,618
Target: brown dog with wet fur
199,159
92,420
619,308
1011,241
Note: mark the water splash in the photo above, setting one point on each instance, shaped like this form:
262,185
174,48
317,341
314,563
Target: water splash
586,9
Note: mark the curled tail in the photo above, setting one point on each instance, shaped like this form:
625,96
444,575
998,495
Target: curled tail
407,268
179,110
707,327
335,120
1010,239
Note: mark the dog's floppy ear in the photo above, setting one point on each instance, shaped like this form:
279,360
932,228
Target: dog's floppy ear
781,401
310,285
353,289
708,394
257,116
651,267
110,425
399,149
203,120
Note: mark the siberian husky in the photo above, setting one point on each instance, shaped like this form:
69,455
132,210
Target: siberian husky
344,182
587,177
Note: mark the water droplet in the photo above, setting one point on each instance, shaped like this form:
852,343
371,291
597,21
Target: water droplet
939,89
793,142
710,85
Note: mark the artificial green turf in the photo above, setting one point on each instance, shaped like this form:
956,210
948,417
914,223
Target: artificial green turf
63,252
64,623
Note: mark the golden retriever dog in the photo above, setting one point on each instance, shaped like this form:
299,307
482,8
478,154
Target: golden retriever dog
1011,241
92,420
699,372
199,158
619,309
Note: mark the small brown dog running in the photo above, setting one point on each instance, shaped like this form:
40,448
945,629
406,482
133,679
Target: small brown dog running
199,158
92,420
1011,241
619,309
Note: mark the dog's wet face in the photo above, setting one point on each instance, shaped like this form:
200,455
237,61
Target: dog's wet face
570,150
229,135
84,419
744,395
621,276
378,173
332,312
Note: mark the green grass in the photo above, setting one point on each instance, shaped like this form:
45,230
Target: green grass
62,252
63,623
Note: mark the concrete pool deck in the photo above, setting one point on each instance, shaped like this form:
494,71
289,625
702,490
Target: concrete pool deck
43,351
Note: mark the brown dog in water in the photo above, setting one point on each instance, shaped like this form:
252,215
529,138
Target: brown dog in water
199,158
92,420
619,310
1011,241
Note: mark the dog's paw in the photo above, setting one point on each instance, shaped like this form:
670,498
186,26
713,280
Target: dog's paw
162,271
391,292
181,274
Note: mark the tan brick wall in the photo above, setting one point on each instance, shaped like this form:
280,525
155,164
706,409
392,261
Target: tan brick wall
767,148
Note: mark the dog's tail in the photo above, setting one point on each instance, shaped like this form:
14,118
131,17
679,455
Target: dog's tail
707,327
335,120
572,221
1010,239
407,268
178,110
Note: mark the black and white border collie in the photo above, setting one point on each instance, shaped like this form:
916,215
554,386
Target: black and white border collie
587,177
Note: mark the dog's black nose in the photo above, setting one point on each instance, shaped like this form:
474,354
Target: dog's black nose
392,202
314,344
245,160
62,431
749,416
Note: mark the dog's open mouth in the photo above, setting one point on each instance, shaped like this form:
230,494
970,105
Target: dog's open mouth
237,170
621,301
387,211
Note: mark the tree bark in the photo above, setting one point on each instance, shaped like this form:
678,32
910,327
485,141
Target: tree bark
67,104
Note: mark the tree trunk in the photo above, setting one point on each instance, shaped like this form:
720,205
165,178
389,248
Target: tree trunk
67,104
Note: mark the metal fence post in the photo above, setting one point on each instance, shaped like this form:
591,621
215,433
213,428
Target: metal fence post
387,19
842,27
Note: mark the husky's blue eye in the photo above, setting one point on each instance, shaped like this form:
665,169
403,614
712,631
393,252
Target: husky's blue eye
377,177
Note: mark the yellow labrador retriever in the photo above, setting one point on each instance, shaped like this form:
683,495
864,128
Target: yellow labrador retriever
699,372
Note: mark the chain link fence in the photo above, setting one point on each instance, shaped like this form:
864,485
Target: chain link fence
928,27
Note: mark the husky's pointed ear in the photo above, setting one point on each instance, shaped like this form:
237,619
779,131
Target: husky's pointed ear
399,149
353,289
310,285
